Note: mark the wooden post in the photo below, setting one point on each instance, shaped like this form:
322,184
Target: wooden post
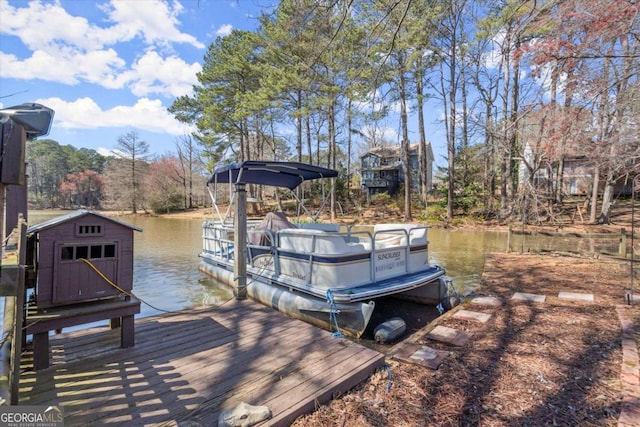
509,240
622,249
16,347
240,243
13,318
5,338
5,351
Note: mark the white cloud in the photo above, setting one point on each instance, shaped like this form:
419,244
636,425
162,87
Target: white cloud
84,113
493,57
102,67
154,74
41,25
70,50
379,135
224,30
107,152
155,20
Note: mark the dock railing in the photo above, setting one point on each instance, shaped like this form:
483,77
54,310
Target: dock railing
610,243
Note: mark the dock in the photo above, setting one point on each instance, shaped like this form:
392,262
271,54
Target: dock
187,367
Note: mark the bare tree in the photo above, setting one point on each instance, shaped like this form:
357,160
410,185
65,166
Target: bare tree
132,150
189,162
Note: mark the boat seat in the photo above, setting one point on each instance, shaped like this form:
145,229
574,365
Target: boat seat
316,241
319,226
417,234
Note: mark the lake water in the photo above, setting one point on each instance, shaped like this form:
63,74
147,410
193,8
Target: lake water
166,274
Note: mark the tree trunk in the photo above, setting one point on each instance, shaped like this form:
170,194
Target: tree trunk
594,195
451,140
331,161
405,143
422,148
607,200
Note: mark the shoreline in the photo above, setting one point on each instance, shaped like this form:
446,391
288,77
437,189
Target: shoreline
623,221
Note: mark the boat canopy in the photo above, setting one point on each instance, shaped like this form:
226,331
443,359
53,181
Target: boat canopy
278,174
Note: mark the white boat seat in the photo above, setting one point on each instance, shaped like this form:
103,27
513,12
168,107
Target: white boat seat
319,226
316,241
417,234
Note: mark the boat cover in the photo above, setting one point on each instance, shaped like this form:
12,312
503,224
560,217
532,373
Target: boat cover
273,222
278,174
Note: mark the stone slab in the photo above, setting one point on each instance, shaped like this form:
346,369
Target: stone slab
529,297
473,316
421,355
631,297
576,296
449,336
488,301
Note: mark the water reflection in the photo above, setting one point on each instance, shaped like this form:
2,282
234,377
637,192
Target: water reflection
166,260
462,253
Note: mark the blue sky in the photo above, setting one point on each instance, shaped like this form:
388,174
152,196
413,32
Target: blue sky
108,67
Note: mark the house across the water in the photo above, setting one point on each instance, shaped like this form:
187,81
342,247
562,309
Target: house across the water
382,169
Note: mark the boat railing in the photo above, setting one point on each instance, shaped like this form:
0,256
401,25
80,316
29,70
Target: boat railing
381,245
260,242
218,240
385,245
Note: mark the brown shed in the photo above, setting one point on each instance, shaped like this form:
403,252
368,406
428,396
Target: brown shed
73,254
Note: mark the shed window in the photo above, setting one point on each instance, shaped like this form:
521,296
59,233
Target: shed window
109,251
67,253
82,252
89,230
96,251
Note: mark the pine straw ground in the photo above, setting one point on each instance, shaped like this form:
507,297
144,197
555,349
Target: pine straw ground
531,364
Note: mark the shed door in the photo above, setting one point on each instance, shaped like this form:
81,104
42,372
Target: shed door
76,280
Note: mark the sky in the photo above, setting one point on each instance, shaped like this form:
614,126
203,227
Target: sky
109,67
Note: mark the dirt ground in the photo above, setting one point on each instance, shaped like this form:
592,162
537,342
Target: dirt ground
551,363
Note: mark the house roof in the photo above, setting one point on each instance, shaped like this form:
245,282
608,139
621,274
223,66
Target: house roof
75,215
395,150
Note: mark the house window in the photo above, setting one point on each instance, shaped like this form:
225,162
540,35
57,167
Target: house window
89,230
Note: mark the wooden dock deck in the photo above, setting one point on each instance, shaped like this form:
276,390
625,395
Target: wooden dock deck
191,365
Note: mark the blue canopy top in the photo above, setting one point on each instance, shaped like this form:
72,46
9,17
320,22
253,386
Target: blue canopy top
278,174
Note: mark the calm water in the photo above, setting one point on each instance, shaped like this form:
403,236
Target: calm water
166,260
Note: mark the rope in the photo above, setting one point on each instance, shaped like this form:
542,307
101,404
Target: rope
130,294
333,311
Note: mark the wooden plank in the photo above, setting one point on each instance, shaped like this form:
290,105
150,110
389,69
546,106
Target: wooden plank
194,364
213,385
179,346
312,384
78,314
212,364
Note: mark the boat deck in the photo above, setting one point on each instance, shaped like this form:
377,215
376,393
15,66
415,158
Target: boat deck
191,365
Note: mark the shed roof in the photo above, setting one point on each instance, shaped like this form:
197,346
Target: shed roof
75,215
